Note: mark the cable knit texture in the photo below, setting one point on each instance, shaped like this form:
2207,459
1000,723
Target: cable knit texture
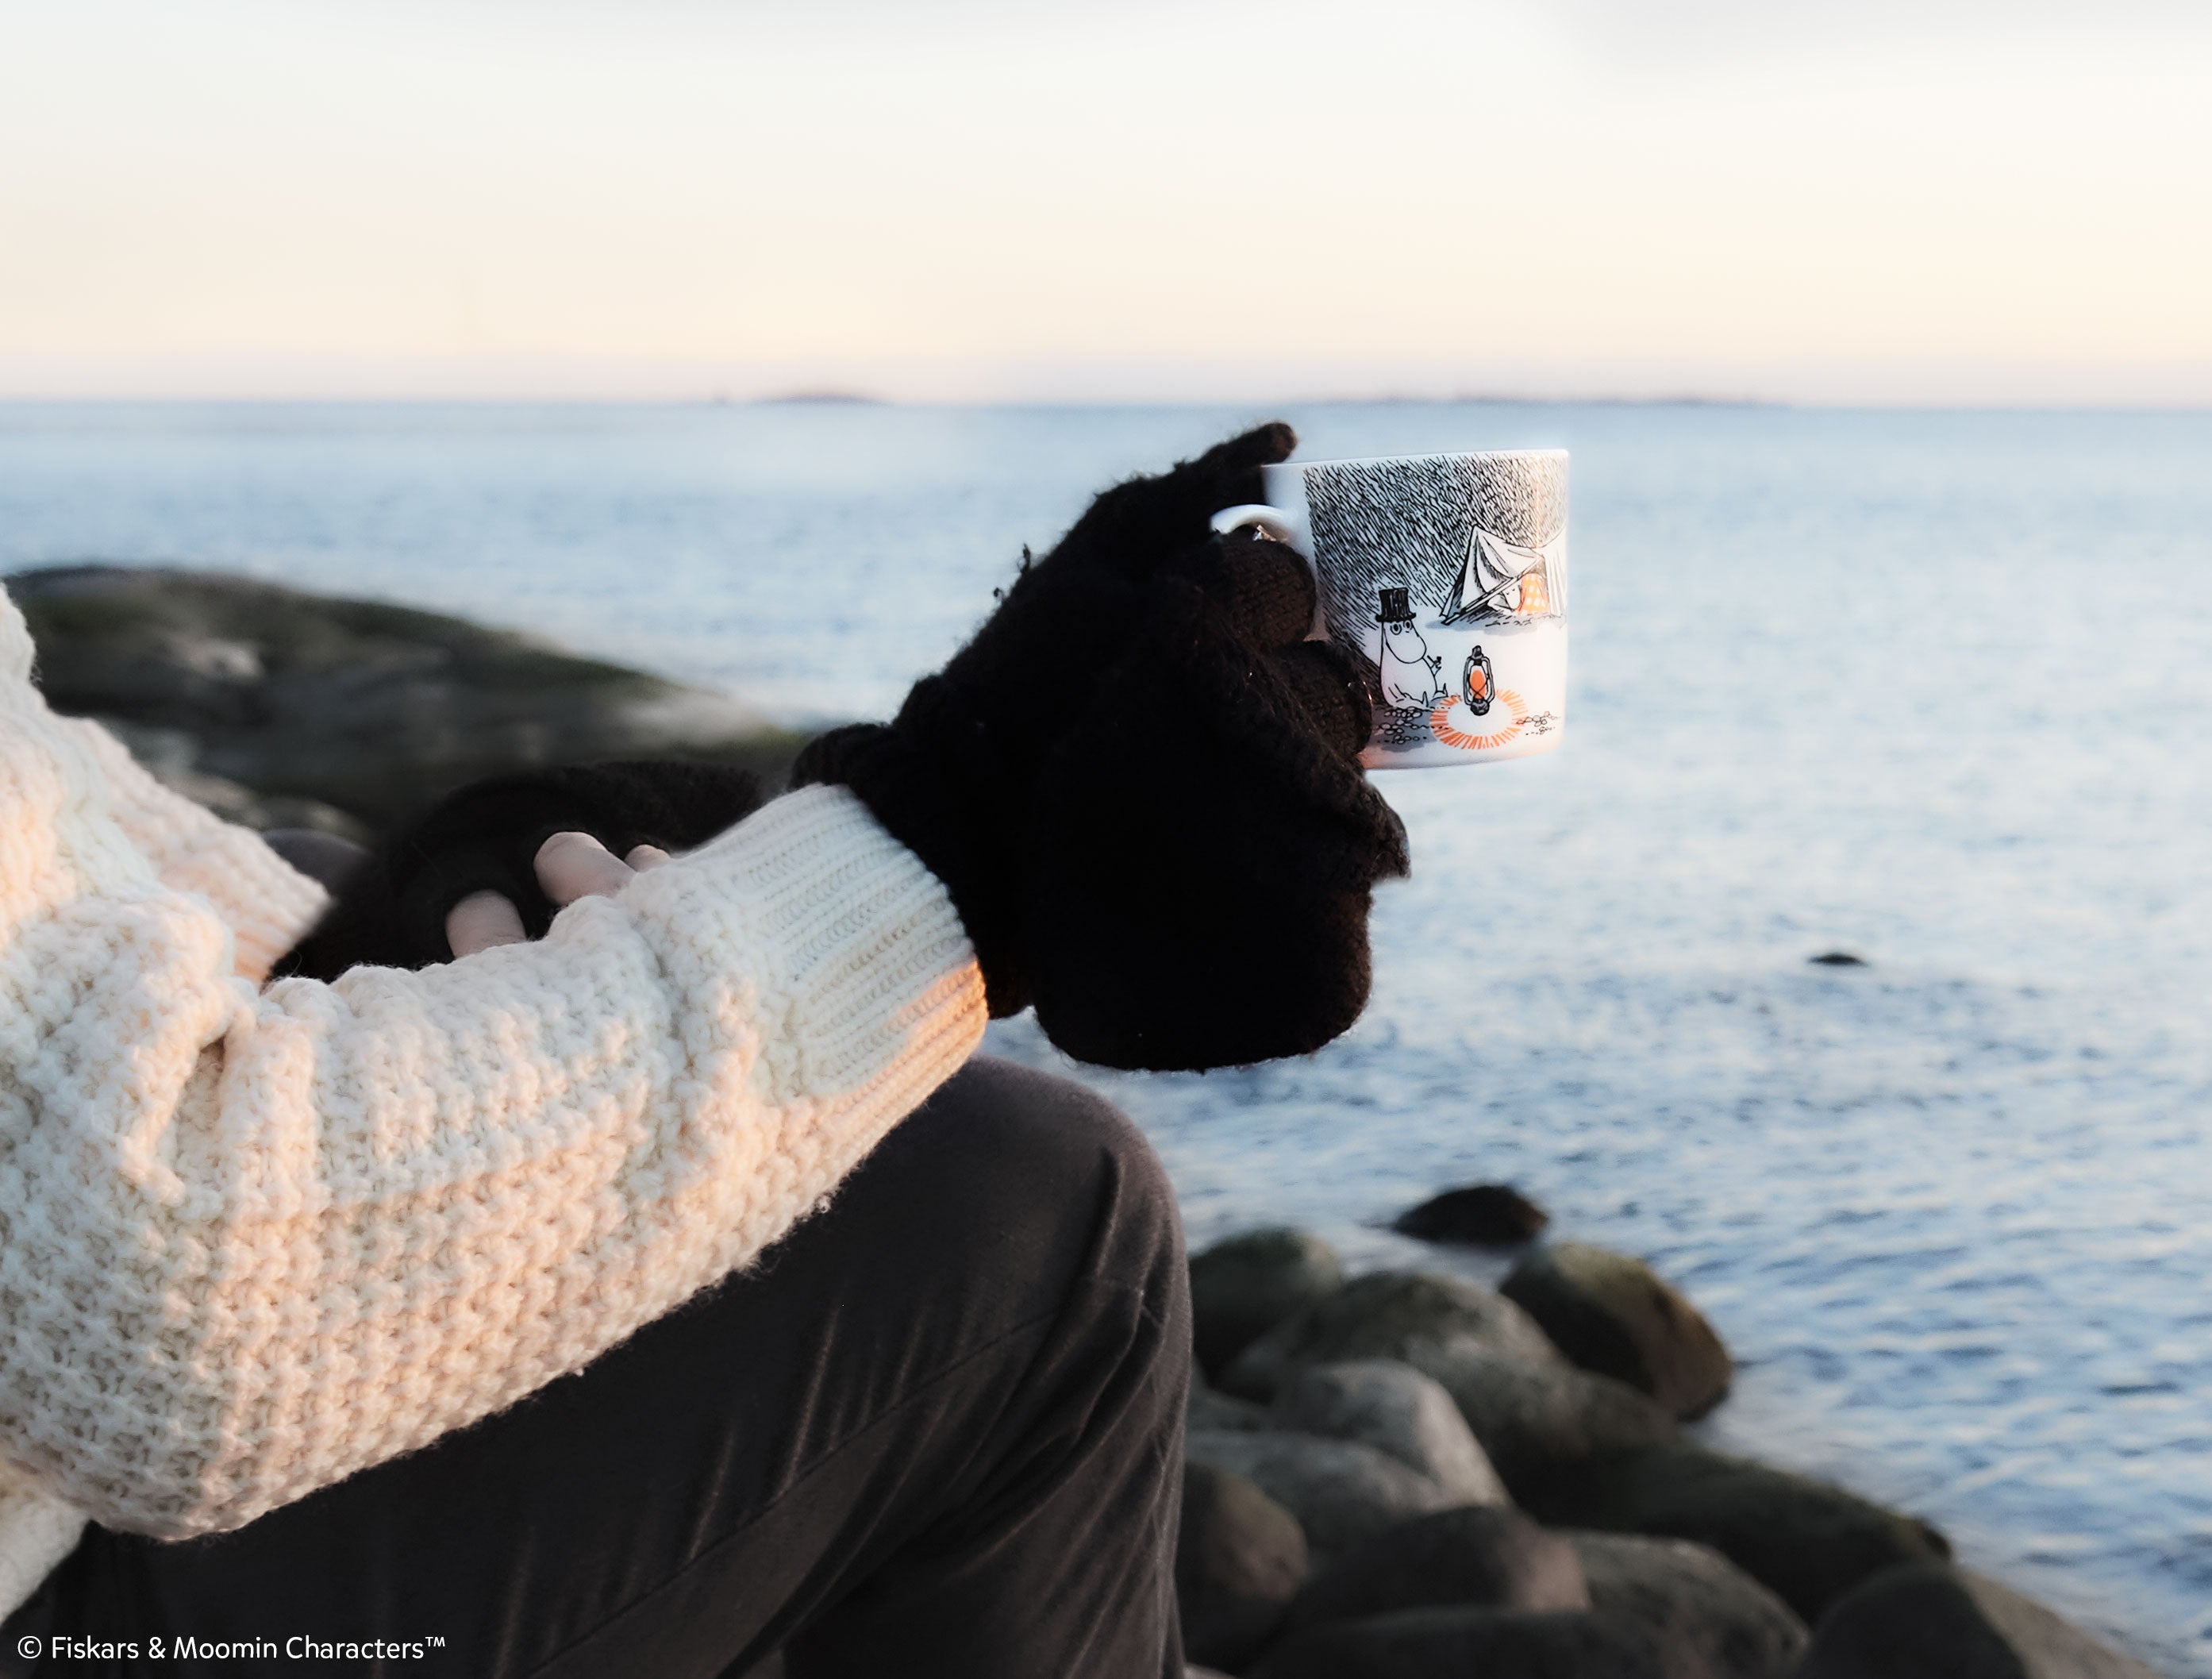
252,1241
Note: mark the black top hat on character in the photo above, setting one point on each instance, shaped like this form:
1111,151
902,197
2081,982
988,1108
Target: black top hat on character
1394,608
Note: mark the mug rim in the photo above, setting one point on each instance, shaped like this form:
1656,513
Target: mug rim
1432,454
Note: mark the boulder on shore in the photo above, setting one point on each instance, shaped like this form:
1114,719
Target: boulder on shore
1394,1407
1207,1408
1244,1286
1708,1618
1239,1559
371,709
1615,1316
1455,1643
1344,1493
1379,1316
1482,1556
1807,1542
2049,1645
1477,1215
1931,1621
1529,1409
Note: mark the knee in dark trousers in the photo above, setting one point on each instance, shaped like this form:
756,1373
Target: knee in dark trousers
1067,1241
936,1429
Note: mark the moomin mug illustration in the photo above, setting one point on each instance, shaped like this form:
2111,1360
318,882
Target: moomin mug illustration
1448,574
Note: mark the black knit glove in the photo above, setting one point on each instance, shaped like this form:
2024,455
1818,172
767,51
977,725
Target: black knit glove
1140,785
391,913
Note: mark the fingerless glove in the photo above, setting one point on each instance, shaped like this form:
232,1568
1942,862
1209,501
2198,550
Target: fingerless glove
1140,784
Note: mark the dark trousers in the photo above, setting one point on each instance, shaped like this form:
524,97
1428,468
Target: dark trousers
937,1429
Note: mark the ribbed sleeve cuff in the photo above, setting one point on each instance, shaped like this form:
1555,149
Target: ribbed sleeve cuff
881,991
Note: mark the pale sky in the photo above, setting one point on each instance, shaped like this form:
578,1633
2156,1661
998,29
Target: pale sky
1836,200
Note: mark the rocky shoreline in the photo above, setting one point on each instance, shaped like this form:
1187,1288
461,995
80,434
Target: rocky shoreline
1407,1475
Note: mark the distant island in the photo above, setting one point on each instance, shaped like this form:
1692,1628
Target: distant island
844,399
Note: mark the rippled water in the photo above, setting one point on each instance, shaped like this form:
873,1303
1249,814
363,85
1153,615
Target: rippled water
1935,689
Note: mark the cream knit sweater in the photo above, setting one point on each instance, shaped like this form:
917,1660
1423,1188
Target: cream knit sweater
254,1240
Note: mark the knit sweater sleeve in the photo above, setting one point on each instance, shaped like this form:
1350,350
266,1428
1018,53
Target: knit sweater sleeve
265,902
252,1241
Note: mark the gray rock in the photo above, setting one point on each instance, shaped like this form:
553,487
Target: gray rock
1528,1408
1242,1287
1804,1540
1477,1214
1239,1558
1917,1620
1922,1620
1210,1409
1344,1493
1615,1316
171,757
1461,1643
1530,1418
1384,1314
2050,1646
368,709
1479,1556
1394,1407
1708,1618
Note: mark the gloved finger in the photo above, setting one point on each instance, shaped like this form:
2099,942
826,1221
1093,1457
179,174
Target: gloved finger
482,920
1139,523
1263,588
1234,467
571,866
1329,687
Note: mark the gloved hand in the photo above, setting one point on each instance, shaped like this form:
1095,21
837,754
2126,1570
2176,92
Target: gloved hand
485,838
1140,785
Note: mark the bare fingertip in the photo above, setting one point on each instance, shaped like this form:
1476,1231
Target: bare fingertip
567,841
644,857
481,920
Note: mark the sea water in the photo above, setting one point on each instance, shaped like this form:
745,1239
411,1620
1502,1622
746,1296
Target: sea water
1932,689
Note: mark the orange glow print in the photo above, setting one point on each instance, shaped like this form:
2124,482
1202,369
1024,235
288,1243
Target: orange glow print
1472,738
1535,596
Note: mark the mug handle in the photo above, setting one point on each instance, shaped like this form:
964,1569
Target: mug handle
1283,527
1274,520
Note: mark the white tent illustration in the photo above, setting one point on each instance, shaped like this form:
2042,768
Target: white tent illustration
1503,578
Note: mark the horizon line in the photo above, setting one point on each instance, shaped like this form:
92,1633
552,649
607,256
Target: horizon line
838,398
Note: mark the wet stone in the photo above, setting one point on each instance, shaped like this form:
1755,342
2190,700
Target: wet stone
1613,1315
1239,1559
1807,1542
1479,1215
1242,1288
1479,1556
1394,1407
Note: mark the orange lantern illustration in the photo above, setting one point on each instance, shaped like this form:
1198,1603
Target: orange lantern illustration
1475,682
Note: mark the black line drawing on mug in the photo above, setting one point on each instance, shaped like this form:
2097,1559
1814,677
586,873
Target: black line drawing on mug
1472,539
1466,557
1410,674
1500,580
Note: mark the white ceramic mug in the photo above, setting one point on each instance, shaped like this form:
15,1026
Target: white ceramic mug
1448,574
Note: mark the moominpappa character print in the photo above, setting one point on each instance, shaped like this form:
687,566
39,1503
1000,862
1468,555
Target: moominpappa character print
1448,574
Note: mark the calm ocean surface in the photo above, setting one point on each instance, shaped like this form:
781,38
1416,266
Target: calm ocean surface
1933,688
